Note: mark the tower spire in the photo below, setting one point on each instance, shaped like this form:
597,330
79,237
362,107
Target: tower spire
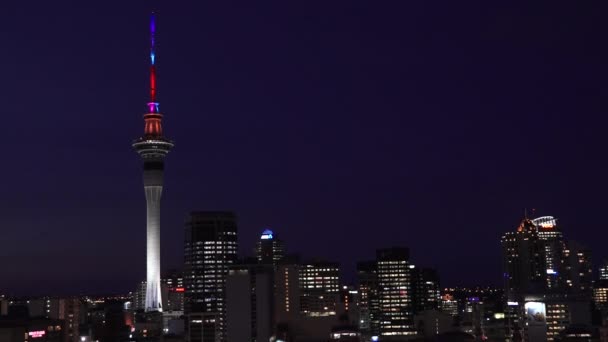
153,104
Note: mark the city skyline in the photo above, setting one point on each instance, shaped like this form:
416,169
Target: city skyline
326,141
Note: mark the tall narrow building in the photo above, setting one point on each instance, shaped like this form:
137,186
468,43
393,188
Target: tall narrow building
210,249
153,147
367,276
395,294
553,245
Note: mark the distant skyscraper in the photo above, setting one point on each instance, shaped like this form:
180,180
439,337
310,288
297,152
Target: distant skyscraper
210,249
153,147
395,293
319,288
269,249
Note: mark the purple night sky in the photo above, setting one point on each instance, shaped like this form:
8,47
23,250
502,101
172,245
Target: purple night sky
345,126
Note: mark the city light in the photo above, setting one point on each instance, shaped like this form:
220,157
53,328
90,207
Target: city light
36,334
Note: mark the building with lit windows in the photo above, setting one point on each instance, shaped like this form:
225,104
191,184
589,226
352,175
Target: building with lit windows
210,249
367,277
600,297
523,261
426,291
319,288
269,249
67,310
395,293
287,298
449,305
173,291
546,275
603,270
578,269
309,302
552,245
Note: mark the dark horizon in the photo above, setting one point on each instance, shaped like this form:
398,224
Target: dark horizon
343,126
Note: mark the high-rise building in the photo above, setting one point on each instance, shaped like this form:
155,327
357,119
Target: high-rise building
287,298
578,270
319,288
210,249
552,244
153,147
269,249
547,281
524,261
426,292
369,320
395,293
249,302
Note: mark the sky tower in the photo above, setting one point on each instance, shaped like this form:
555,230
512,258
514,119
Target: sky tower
153,147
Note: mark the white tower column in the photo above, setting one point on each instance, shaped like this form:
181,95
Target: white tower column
153,286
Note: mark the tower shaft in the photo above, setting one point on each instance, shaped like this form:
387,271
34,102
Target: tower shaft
153,290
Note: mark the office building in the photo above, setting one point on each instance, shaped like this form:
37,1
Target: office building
433,322
173,291
600,295
319,288
603,270
426,291
250,302
367,277
210,250
138,298
287,298
269,249
524,261
552,243
395,293
152,148
578,269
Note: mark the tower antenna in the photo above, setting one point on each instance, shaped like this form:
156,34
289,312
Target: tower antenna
153,105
